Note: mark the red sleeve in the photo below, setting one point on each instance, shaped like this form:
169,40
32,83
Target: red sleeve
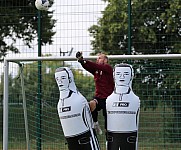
92,67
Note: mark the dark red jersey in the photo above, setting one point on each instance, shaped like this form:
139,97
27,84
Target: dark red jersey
103,77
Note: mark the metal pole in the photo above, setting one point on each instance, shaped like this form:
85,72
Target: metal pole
129,27
39,92
5,107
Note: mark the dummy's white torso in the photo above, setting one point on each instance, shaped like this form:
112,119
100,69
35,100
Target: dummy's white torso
122,112
74,115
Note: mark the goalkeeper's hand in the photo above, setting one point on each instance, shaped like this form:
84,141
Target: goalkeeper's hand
79,57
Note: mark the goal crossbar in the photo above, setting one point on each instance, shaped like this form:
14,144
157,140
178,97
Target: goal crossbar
70,58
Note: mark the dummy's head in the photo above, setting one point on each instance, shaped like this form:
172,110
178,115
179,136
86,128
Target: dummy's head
123,75
65,79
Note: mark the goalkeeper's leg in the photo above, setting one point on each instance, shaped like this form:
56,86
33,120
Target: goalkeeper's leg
95,108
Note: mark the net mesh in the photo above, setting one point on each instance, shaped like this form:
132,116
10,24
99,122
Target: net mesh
156,82
114,26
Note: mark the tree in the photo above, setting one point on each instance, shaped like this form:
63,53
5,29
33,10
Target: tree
19,21
155,27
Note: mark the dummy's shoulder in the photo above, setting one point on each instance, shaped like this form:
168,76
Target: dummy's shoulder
135,96
111,96
82,98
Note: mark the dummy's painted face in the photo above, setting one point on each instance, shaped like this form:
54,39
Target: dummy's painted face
122,76
62,80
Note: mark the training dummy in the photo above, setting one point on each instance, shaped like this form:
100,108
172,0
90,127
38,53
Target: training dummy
122,108
74,113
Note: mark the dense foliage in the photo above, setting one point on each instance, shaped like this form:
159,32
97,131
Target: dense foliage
155,27
19,20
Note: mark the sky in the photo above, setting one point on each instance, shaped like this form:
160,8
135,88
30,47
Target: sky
74,17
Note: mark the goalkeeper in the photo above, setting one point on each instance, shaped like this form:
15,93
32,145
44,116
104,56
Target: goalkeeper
122,108
74,113
104,85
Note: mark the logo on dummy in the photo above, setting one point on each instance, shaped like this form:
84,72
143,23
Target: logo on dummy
120,104
65,109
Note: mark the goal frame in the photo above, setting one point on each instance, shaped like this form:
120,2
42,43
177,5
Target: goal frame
7,60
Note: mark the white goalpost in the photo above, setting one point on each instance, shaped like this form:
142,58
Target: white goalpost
68,58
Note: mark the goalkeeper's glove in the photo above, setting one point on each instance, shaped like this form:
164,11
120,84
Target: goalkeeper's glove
79,57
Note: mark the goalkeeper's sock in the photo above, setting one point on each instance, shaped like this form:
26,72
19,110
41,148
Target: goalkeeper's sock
97,128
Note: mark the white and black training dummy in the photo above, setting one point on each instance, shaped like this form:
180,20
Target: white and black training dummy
74,113
122,108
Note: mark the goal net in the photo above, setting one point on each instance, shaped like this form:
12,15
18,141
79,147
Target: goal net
30,119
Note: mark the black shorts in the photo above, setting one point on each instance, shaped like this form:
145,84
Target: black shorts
123,141
79,142
85,141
